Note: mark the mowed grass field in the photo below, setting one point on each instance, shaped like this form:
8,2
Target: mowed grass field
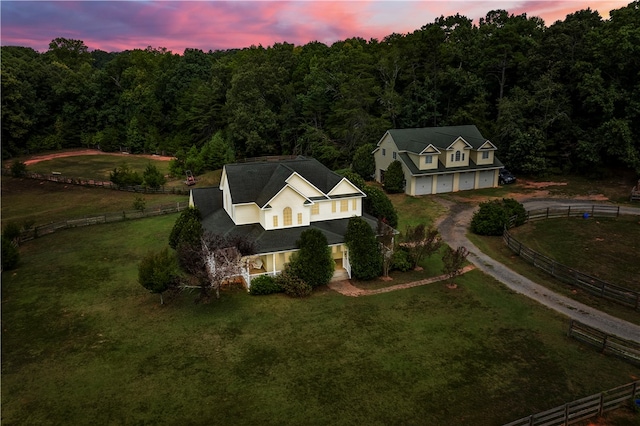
83,342
606,248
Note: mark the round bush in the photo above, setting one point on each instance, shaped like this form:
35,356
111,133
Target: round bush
292,285
10,255
493,215
401,260
264,284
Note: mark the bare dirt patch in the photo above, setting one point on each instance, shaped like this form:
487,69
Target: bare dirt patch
45,157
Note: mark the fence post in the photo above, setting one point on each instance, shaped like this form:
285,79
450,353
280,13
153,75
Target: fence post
569,212
547,213
604,343
601,409
637,301
618,212
566,413
592,208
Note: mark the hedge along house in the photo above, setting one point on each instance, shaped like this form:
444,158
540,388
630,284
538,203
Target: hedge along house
273,202
439,159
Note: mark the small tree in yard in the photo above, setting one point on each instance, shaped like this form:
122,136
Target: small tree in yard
157,272
453,261
212,260
386,241
420,242
313,262
152,177
364,254
394,178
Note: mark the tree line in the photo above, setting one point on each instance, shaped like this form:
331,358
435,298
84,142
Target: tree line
557,98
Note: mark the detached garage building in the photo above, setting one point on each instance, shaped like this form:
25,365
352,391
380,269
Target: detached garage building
439,159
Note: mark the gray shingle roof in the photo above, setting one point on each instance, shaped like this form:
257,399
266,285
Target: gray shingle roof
415,140
216,220
258,182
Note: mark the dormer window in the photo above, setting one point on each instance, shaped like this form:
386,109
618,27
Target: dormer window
457,155
394,155
428,159
485,155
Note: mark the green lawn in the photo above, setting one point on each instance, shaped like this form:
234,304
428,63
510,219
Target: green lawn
82,340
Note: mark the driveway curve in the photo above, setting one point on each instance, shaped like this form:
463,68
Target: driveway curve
453,229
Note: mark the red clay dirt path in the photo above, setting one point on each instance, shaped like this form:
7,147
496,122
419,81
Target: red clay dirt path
74,153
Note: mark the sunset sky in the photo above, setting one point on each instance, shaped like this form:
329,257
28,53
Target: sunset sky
214,25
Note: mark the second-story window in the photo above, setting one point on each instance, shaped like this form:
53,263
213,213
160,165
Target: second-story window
315,209
384,152
457,155
299,218
354,204
428,159
394,155
286,213
344,205
275,221
333,207
485,155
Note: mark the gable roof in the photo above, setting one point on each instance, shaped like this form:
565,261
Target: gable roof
216,220
259,182
416,140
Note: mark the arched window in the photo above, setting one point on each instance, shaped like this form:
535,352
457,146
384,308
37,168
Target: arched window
457,155
288,221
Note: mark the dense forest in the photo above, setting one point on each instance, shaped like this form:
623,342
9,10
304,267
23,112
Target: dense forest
559,98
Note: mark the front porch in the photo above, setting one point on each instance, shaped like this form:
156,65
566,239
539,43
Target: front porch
273,263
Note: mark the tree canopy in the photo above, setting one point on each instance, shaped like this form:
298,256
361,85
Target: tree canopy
560,98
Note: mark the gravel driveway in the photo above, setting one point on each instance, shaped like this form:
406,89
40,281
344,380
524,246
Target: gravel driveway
453,229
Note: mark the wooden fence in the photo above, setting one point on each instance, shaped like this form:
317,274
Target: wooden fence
608,344
584,408
50,228
593,285
99,183
594,210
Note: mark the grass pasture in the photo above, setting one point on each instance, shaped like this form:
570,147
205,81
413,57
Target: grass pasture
606,248
42,202
82,340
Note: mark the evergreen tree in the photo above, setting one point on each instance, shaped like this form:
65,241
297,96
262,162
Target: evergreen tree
364,254
313,262
394,178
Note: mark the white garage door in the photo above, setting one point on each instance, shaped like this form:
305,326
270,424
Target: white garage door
486,179
445,183
423,185
467,181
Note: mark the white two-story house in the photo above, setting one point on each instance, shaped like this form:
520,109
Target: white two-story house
439,159
273,202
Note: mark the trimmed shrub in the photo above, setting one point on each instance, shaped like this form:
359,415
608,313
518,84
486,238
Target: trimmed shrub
18,169
364,164
378,205
292,285
10,254
11,232
493,215
264,284
401,260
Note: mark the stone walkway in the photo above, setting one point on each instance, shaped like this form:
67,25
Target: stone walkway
346,288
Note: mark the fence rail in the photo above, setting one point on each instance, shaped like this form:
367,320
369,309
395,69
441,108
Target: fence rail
593,285
54,177
608,344
162,209
584,408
